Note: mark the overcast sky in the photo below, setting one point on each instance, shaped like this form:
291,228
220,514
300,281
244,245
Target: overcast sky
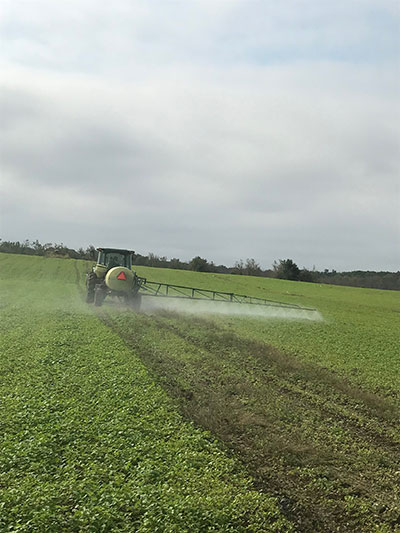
222,128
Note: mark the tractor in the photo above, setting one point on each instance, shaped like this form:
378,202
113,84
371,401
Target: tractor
113,275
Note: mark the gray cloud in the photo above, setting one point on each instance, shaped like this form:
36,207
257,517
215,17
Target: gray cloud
298,159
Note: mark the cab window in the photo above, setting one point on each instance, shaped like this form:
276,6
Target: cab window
112,259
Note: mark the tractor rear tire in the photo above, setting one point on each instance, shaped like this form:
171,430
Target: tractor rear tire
136,302
90,286
99,295
90,296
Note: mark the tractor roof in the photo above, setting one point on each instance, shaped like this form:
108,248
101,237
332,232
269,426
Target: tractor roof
115,250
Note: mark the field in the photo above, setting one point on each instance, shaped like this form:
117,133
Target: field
165,421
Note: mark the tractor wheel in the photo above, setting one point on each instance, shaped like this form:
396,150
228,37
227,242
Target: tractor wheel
90,296
135,302
90,286
99,295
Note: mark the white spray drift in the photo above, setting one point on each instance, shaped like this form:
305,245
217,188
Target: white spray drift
197,307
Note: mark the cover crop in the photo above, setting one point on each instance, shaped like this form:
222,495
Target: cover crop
116,421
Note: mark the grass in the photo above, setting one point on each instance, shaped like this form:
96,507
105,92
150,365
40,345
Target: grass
115,421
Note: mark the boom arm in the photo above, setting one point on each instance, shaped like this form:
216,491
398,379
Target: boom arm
165,290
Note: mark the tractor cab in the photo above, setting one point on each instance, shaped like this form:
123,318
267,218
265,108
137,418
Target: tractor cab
111,257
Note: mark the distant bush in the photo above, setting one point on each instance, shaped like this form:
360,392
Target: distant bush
248,268
286,269
307,275
199,264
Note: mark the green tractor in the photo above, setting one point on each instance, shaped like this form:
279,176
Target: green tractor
113,275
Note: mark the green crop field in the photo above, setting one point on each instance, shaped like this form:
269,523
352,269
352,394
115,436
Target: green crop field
170,421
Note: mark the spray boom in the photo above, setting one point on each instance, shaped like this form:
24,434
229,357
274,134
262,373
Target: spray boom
113,275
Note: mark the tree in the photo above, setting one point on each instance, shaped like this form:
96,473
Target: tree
286,269
39,250
91,252
239,267
307,275
199,264
153,260
252,268
177,263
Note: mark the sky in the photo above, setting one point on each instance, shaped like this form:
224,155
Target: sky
222,128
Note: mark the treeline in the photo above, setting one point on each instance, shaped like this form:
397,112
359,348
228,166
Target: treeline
47,250
361,278
282,269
